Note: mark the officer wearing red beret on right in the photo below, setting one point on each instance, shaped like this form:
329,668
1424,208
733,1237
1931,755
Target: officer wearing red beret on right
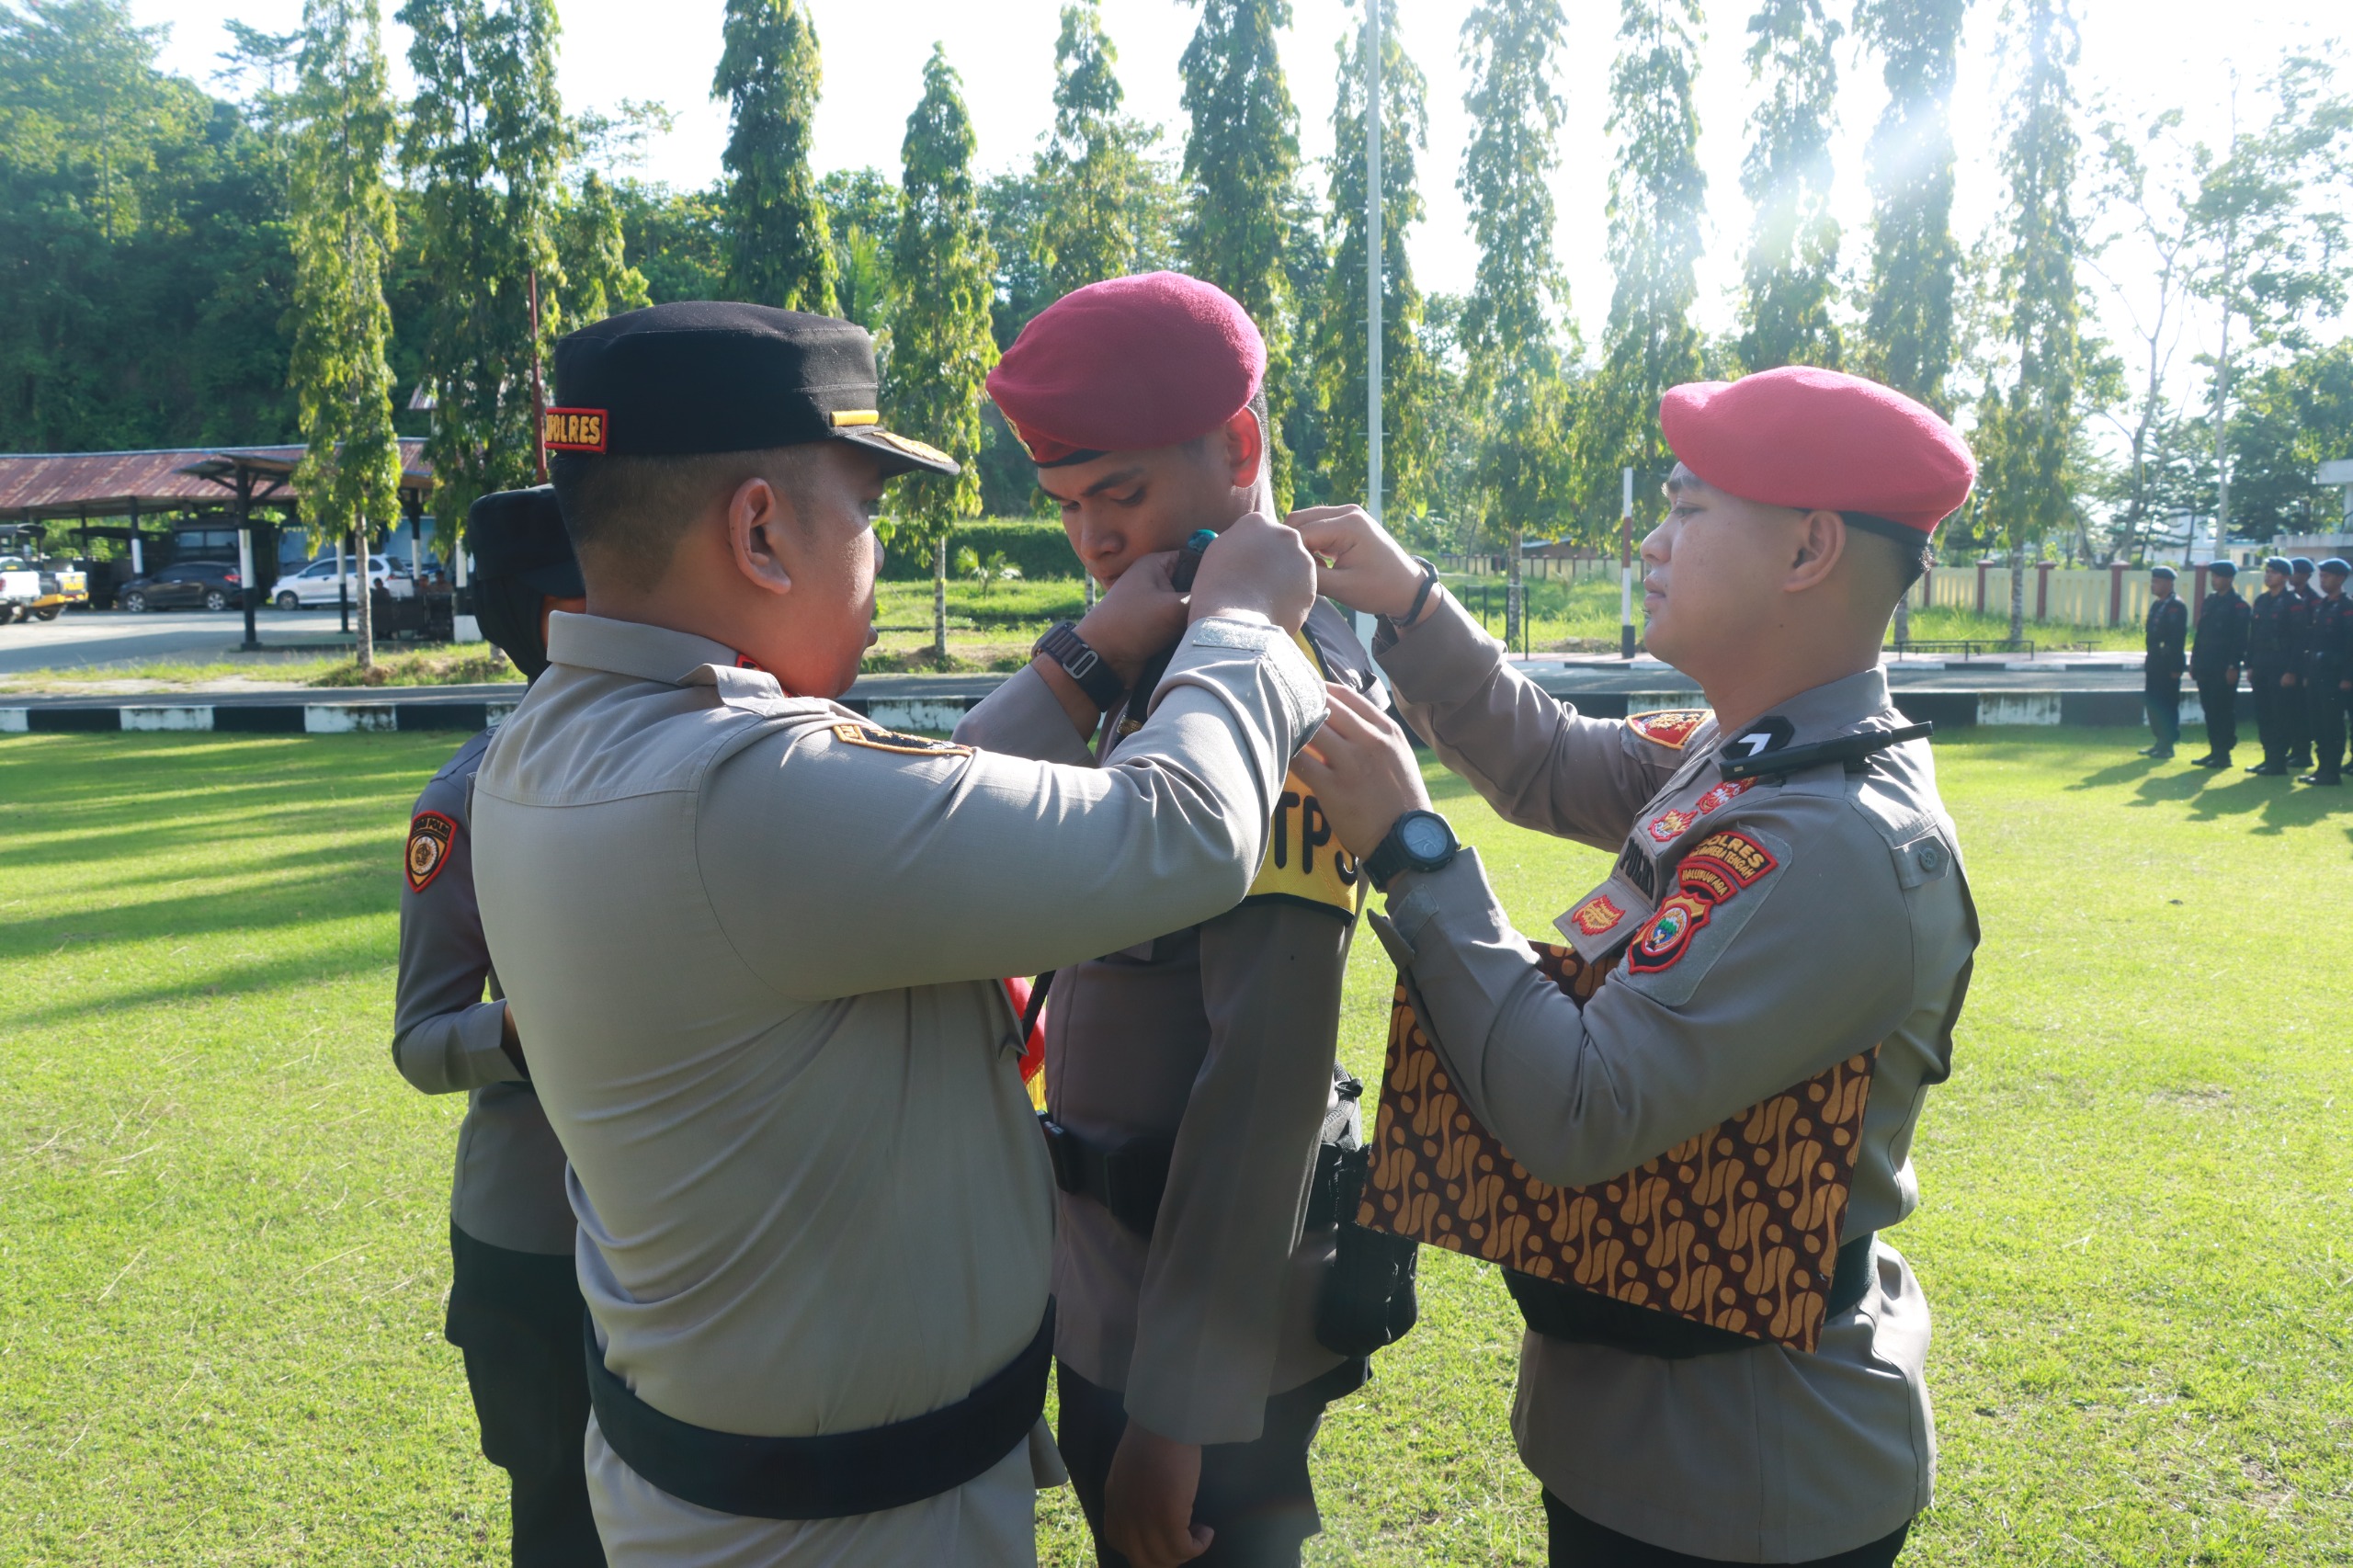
1788,897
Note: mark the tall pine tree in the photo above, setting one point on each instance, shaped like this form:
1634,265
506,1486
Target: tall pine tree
1793,244
341,129
1658,196
2026,433
1340,350
1092,174
487,141
1908,330
1509,327
942,348
1241,163
779,249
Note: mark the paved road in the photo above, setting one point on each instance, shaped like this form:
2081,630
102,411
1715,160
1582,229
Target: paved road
84,638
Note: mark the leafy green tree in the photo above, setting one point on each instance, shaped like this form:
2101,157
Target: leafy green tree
2026,433
2294,418
779,249
1792,264
1656,199
592,251
943,346
1241,165
1340,338
1908,324
1100,209
341,126
862,222
486,142
676,237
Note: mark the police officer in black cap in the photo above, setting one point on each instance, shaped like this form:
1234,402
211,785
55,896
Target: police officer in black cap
2303,599
2216,651
2270,668
2164,633
515,1301
2329,674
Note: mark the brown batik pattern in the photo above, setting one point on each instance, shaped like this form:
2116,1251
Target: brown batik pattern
1737,1228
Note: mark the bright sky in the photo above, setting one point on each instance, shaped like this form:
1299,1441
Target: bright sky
2136,54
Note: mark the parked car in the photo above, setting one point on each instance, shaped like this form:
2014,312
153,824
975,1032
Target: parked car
208,583
315,583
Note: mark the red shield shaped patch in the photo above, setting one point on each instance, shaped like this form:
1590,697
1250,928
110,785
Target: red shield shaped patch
1669,727
1596,914
429,837
1658,944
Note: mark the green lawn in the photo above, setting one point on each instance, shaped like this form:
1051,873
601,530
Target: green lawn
222,1250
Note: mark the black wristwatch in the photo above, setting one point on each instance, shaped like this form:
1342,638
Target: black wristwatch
1062,644
1418,841
1421,596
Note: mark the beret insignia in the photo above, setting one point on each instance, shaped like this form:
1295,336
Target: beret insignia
1669,727
574,430
429,837
892,740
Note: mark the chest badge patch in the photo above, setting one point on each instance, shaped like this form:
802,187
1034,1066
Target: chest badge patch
429,837
1669,727
1596,915
1666,826
892,740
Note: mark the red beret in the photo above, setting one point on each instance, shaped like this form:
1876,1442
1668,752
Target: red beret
1127,364
1803,436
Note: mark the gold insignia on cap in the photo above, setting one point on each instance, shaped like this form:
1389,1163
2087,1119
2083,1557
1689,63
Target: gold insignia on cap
913,448
842,416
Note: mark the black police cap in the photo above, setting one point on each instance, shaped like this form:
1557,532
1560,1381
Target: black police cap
2221,569
2336,564
2165,572
713,376
2300,563
519,534
2277,564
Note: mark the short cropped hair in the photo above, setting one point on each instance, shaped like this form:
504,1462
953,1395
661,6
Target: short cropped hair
1906,549
627,514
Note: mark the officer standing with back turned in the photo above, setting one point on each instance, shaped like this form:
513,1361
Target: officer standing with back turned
2329,674
2270,668
514,1303
2164,632
2303,600
2215,654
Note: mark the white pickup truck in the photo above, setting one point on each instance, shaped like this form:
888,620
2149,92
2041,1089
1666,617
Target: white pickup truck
19,592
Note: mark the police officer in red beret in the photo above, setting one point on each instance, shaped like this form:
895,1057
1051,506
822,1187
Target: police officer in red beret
1788,896
1194,1114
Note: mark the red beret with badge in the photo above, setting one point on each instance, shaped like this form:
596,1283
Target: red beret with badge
1808,437
1127,365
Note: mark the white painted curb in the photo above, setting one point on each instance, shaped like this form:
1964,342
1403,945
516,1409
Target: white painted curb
14,722
176,718
344,718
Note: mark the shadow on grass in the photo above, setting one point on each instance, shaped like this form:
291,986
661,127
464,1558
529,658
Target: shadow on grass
2212,794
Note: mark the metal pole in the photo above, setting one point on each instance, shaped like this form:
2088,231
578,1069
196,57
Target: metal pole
1374,266
245,555
1626,568
342,588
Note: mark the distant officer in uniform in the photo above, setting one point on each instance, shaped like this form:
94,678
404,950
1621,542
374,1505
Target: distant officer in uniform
1195,1068
1832,919
2329,674
2270,670
514,1303
2164,632
2216,651
2304,598
815,1211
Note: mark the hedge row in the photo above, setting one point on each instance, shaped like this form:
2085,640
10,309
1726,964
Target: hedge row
1039,550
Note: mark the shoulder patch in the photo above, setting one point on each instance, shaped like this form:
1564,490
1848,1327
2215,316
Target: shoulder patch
1304,862
892,740
1712,874
1596,914
430,835
1669,727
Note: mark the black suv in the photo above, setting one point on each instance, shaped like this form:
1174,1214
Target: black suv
212,583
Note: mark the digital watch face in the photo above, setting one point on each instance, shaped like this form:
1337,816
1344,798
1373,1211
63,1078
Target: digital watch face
1425,838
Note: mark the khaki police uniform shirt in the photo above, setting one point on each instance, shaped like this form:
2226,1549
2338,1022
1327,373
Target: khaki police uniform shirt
508,1191
811,1189
1861,934
1220,1037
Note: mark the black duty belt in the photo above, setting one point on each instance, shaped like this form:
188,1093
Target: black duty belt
1586,1317
1129,1179
834,1474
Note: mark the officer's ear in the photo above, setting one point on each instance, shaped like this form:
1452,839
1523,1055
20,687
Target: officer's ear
1821,542
1245,448
759,527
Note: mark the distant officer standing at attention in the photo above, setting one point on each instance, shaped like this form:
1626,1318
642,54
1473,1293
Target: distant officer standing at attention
815,1211
2270,669
514,1302
2329,674
2216,651
2164,632
1759,928
1189,1076
2305,598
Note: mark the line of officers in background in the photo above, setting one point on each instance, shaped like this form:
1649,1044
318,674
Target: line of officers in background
2295,644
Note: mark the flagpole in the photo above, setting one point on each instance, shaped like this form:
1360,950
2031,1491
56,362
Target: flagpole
1373,267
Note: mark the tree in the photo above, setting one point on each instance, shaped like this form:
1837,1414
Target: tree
1656,197
777,246
341,126
592,252
2026,433
1908,325
1241,166
944,350
1094,174
1793,246
862,221
1340,346
487,142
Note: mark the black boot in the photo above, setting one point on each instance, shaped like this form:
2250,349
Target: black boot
2328,779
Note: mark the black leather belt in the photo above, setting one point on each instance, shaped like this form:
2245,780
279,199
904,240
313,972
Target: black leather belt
834,1474
1129,1179
1586,1317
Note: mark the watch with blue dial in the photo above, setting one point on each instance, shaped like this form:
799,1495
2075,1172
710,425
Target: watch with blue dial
1418,841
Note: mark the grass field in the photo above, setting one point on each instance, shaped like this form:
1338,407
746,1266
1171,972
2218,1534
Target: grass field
222,1242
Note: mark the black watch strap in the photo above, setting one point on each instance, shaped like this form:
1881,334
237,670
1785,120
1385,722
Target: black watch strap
1062,644
1421,596
1391,854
